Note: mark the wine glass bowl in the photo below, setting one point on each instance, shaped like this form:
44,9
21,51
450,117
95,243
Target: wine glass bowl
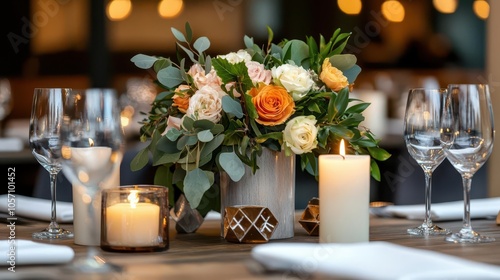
92,141
44,139
467,136
422,137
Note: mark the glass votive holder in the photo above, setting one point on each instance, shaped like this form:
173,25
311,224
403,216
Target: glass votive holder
135,219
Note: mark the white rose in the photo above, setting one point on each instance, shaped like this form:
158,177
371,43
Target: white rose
295,79
237,57
206,103
300,134
257,73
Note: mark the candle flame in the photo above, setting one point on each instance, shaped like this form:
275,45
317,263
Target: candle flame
342,148
133,198
91,142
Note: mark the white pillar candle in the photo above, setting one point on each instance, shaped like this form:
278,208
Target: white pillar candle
133,225
344,196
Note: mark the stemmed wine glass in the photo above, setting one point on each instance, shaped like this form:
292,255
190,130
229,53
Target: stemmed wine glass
92,141
467,134
44,138
5,102
421,133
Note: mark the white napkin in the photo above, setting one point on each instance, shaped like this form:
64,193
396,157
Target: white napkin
370,260
37,208
479,208
27,252
11,144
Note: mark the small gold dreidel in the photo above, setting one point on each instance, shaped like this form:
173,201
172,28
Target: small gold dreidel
248,224
310,217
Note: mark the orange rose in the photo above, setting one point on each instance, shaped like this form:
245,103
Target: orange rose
273,103
181,98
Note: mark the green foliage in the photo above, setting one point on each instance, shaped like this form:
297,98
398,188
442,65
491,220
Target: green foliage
190,151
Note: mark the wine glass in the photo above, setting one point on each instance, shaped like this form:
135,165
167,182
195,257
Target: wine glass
92,144
421,133
467,134
44,138
6,103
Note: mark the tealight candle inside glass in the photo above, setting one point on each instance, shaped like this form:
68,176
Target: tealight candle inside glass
135,219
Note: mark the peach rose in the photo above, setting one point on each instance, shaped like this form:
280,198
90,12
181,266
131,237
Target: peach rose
273,104
181,98
332,77
200,79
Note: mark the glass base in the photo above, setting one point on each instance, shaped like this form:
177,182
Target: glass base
424,230
92,265
52,233
468,237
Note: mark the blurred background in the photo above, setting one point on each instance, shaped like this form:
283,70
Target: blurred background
399,44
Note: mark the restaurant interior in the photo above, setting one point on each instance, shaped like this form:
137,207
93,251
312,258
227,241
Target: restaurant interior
399,45
119,225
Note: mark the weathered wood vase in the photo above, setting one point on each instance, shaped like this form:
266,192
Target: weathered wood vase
272,186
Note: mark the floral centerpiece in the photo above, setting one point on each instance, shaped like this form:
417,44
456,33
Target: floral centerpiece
219,113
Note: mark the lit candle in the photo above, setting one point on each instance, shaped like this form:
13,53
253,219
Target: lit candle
344,196
133,224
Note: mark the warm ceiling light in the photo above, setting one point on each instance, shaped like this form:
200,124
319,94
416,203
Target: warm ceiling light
445,6
481,9
350,7
393,11
170,8
118,9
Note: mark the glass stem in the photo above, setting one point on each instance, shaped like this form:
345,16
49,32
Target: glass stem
428,191
53,213
467,181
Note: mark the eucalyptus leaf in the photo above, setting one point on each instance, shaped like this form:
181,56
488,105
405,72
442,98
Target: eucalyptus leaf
196,183
167,146
140,160
161,63
189,32
178,35
188,52
160,158
352,73
187,123
143,61
169,77
231,106
232,165
205,136
343,61
299,51
248,42
201,44
218,128
173,134
203,124
209,147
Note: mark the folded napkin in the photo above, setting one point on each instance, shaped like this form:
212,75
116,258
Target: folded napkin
37,208
24,252
479,208
11,144
370,260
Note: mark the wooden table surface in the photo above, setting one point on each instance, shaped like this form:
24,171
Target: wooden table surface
205,255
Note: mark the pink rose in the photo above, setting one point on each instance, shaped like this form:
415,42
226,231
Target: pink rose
258,73
200,79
